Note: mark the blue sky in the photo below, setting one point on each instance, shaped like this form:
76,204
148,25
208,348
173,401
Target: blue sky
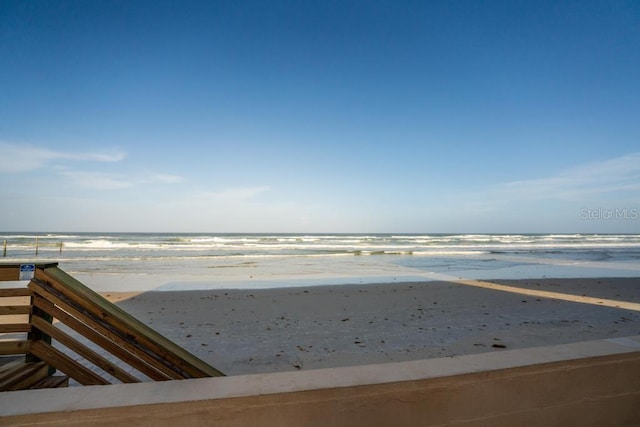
300,116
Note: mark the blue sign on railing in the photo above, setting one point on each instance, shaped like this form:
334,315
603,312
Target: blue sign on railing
27,271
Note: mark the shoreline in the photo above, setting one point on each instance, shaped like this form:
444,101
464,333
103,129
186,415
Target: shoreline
242,331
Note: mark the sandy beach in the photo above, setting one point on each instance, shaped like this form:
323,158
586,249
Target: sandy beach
280,329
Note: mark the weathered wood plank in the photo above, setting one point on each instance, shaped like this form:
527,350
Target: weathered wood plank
102,341
134,330
15,292
54,381
22,375
14,347
120,335
37,335
34,377
116,349
15,309
8,328
101,335
11,365
64,363
11,272
115,316
83,351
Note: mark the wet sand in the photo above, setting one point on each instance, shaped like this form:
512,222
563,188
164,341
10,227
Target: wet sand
269,330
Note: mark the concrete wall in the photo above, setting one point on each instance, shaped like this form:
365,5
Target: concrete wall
595,383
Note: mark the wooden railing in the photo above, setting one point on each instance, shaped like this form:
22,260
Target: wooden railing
74,330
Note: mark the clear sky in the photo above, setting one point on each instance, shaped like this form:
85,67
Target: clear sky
320,116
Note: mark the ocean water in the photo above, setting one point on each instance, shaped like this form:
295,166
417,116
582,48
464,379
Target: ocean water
167,261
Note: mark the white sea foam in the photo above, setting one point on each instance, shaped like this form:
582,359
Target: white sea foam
350,256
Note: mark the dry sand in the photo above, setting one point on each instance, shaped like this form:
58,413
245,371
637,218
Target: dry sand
250,331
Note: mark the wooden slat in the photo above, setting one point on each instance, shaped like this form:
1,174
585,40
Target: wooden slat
15,292
121,337
102,341
83,350
166,348
54,381
8,328
11,365
15,309
115,316
14,347
135,331
102,336
36,334
64,363
35,376
11,272
162,372
22,375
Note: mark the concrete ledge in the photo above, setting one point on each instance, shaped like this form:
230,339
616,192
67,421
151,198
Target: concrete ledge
586,383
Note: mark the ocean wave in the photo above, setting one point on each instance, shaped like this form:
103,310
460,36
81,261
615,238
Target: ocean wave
176,245
433,253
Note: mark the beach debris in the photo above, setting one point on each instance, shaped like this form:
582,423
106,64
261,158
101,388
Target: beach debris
498,345
297,364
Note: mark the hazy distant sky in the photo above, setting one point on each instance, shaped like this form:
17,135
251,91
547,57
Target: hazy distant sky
320,116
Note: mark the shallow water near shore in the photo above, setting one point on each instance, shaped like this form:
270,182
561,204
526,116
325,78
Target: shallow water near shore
169,261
